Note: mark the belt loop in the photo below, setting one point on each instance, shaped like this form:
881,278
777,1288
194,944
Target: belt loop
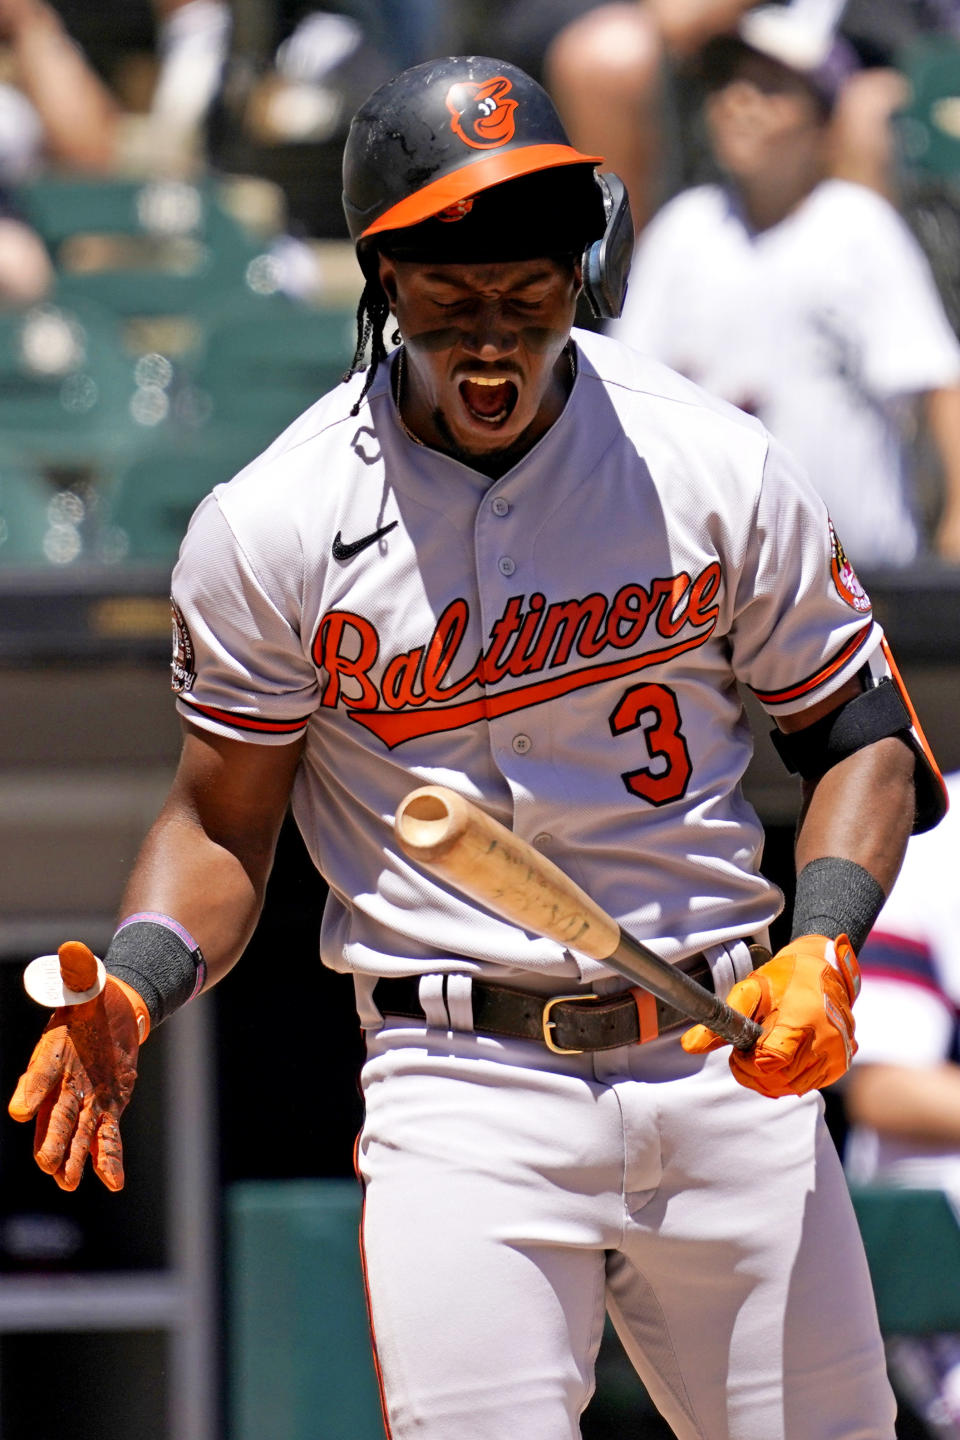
722,960
646,1015
460,1001
431,1000
728,964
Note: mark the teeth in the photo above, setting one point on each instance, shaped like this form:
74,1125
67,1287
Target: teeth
483,380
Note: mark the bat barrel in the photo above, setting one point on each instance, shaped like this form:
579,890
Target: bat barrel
465,847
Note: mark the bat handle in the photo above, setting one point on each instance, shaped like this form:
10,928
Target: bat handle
741,1032
675,987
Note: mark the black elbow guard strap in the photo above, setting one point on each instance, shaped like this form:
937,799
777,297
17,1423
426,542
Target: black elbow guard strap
877,713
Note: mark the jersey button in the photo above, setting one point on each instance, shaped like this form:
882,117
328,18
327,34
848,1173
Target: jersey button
522,744
542,840
505,565
499,506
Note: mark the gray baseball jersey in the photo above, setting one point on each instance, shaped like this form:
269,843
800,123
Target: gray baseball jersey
563,645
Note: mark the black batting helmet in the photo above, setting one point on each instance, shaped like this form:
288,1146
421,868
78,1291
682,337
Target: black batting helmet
464,159
430,140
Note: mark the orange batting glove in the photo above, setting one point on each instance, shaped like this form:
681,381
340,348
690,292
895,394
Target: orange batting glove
81,1076
803,998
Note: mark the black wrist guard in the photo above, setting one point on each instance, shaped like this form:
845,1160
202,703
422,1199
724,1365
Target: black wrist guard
836,897
160,959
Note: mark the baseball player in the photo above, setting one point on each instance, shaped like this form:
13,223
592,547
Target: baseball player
804,299
524,562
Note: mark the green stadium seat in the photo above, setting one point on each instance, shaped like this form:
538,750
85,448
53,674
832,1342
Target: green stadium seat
300,1364
912,1240
927,138
264,360
141,248
927,129
66,389
24,521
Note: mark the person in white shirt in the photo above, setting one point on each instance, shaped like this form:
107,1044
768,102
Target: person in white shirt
902,1097
803,299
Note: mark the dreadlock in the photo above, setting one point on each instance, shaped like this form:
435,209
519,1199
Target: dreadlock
372,314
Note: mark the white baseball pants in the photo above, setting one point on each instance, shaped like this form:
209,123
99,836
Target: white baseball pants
512,1194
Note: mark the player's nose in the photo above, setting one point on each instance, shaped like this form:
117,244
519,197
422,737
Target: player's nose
488,335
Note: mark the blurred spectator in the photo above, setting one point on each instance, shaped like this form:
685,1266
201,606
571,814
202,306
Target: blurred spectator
621,76
193,41
54,108
609,72
804,299
902,1096
607,67
26,271
289,88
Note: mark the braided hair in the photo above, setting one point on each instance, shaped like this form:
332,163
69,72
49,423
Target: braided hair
373,311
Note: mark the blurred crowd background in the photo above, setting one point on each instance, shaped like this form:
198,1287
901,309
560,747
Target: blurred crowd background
175,286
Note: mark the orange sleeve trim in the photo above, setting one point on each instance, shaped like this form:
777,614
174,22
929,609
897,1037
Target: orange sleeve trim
803,687
248,722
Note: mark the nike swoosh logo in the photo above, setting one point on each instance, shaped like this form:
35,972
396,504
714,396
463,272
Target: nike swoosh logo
347,552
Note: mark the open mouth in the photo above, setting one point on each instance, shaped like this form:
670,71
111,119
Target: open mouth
489,399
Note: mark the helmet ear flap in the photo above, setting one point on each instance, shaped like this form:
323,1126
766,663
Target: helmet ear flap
606,263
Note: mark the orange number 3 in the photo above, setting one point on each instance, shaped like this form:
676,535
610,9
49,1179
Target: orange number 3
653,709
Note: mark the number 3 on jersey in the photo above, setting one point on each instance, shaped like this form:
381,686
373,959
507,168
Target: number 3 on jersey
653,709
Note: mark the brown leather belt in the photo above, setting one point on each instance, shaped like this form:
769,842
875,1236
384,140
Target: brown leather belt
567,1024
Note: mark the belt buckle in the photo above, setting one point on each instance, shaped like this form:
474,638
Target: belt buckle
547,1024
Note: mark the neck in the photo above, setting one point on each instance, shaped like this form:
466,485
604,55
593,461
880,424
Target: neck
432,431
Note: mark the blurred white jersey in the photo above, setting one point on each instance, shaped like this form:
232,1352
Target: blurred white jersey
825,326
562,645
910,999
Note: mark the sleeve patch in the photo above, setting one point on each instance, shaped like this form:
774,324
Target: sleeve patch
847,585
183,672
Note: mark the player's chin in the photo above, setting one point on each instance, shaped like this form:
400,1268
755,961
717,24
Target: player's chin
478,438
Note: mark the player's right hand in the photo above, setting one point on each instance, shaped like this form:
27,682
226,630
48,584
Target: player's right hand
78,1082
803,998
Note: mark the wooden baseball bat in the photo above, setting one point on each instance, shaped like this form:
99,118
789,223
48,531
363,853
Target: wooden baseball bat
461,844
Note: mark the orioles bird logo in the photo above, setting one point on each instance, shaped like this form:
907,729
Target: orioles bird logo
844,575
482,113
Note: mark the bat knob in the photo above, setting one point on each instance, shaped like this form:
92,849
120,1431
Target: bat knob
70,977
78,965
429,821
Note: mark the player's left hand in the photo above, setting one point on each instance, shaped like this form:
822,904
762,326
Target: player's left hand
78,1082
803,998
